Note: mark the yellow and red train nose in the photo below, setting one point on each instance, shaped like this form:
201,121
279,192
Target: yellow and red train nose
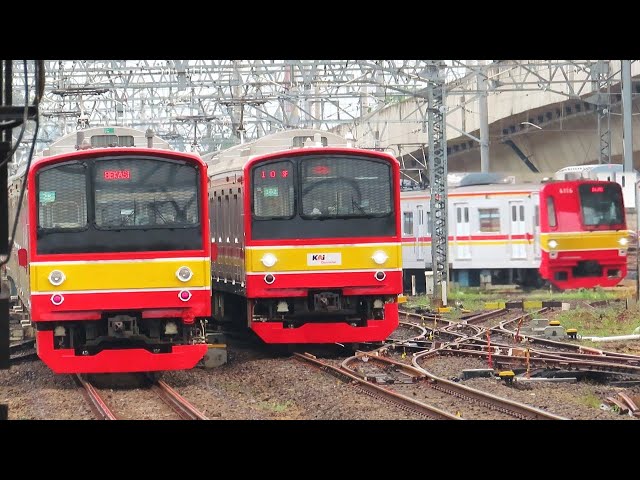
61,288
584,259
365,269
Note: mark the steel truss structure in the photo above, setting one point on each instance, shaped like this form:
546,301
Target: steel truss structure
207,104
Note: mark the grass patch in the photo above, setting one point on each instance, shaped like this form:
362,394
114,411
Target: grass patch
473,299
275,406
590,400
601,322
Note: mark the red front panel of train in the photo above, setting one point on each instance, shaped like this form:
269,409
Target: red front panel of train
584,237
323,248
120,252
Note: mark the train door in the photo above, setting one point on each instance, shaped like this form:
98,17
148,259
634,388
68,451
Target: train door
517,230
536,232
462,232
420,233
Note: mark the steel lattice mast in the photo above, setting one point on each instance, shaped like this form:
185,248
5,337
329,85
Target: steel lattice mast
438,185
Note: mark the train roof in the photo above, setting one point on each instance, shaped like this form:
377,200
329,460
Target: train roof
235,157
480,189
97,137
104,137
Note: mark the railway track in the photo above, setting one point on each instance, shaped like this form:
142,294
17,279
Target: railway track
103,411
22,350
376,391
465,401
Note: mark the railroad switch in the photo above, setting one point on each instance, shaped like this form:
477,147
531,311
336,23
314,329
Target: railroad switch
573,333
507,376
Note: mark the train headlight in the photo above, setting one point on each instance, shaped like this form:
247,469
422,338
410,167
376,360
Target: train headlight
56,277
269,260
553,243
380,257
184,274
623,241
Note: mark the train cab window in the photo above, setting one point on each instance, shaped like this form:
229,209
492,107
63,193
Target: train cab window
332,187
62,197
489,219
601,204
407,223
273,190
144,193
551,212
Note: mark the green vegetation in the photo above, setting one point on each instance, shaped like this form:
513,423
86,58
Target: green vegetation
590,400
474,299
275,406
601,322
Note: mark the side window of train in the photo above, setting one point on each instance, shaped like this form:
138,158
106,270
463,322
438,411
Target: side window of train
407,223
517,213
219,219
228,220
489,219
551,212
537,216
236,218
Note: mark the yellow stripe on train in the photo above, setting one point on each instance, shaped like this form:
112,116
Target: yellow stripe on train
324,257
119,275
586,240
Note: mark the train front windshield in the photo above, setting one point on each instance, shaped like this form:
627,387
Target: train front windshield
150,193
115,204
330,187
343,195
601,205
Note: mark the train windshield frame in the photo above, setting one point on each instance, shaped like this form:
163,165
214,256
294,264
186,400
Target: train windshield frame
361,187
317,187
145,193
601,206
171,185
329,187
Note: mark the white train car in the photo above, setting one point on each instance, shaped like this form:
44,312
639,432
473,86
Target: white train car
494,234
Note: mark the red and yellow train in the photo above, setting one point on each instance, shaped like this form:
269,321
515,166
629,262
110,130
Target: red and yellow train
583,234
306,238
112,254
571,233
